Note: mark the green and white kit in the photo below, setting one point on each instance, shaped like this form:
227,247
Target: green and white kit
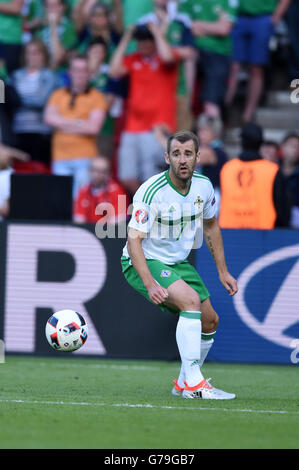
172,221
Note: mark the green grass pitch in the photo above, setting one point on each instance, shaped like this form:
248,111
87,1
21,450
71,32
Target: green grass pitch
70,402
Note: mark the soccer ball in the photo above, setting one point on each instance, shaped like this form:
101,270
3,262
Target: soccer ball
66,331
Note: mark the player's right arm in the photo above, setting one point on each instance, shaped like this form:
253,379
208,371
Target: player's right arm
156,293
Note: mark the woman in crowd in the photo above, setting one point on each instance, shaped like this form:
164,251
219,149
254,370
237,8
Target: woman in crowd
33,83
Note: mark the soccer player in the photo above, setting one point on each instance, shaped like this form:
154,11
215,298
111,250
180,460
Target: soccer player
170,211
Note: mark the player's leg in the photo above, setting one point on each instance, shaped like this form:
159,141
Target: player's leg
186,301
209,325
210,322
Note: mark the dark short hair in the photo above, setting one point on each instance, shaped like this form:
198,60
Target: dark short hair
98,41
182,137
101,5
76,56
143,33
251,136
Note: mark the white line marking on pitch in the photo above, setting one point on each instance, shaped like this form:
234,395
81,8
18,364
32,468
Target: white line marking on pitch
98,366
137,405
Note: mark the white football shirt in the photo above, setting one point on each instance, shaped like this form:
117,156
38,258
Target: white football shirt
171,220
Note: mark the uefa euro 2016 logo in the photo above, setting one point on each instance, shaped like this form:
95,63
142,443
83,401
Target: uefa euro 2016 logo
141,216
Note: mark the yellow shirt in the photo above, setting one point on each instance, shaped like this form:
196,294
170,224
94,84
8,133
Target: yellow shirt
70,146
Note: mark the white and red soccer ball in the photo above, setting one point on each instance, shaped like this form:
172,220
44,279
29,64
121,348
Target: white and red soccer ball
66,330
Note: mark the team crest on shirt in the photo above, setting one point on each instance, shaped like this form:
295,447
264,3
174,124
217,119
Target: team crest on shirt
165,273
141,216
198,201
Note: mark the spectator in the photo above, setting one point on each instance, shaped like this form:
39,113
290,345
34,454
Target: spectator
101,189
99,78
211,24
152,72
11,33
7,155
177,32
33,83
270,151
251,36
212,154
77,114
58,33
290,168
96,22
253,190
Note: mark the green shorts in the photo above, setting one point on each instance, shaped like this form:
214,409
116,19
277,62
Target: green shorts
165,275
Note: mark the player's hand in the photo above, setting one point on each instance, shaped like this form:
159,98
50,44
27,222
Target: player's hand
157,294
229,282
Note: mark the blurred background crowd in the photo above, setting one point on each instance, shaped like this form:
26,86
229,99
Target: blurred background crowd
93,89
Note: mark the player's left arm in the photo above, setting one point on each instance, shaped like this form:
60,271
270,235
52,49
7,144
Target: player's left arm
213,239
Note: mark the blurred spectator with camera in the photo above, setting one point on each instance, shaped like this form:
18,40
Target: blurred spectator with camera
253,190
102,199
33,84
251,36
77,114
211,24
290,168
94,19
58,32
11,33
176,30
153,73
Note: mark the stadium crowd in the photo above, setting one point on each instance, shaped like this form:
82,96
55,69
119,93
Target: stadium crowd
93,89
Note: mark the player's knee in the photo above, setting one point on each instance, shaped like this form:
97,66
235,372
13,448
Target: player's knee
192,303
215,322
210,323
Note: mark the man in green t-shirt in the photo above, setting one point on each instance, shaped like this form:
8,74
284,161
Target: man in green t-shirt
211,24
251,36
10,33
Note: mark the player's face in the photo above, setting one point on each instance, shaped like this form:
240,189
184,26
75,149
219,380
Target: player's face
182,159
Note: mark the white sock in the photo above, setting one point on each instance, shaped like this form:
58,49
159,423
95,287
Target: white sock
182,378
207,340
188,337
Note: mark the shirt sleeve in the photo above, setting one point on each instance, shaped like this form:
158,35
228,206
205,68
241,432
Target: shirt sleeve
209,209
143,215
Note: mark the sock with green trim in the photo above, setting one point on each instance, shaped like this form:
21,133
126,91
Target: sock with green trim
207,340
188,337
